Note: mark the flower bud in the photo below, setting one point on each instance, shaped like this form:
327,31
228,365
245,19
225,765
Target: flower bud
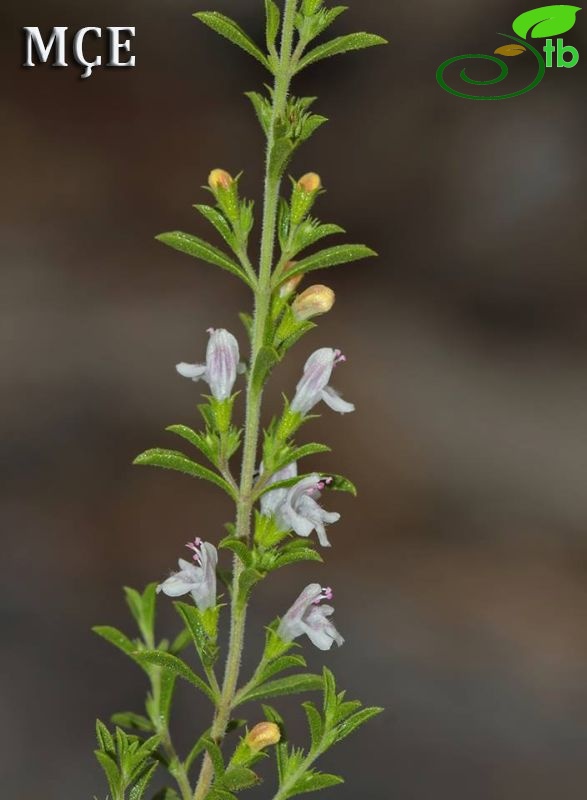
313,302
304,196
263,735
220,179
310,183
291,284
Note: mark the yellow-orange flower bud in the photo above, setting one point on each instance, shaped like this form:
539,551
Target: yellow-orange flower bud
290,285
263,735
310,182
220,179
314,301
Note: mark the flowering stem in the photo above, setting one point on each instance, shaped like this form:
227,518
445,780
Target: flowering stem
283,76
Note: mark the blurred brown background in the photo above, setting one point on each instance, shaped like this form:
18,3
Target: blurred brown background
461,570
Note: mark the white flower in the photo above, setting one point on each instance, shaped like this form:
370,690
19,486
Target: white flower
314,387
221,367
309,617
299,511
199,578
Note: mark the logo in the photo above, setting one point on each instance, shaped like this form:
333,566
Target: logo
540,23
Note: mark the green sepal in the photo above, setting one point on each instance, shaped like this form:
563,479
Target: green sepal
178,462
197,248
331,257
267,533
202,629
228,28
340,45
177,667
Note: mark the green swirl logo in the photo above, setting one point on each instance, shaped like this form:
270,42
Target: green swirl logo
539,23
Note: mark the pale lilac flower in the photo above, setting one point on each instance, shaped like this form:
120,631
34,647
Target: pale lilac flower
272,500
198,579
299,511
221,367
314,387
309,617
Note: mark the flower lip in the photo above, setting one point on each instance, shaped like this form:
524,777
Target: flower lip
325,594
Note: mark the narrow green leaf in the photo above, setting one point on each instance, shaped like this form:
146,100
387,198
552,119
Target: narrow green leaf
139,789
196,439
281,664
352,723
304,451
297,556
117,638
314,723
266,359
176,666
331,257
273,17
237,778
110,768
310,233
132,721
239,548
294,684
171,459
330,698
233,32
104,737
217,219
193,246
215,754
315,782
340,45
168,681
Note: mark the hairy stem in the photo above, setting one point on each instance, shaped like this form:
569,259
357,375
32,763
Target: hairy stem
254,397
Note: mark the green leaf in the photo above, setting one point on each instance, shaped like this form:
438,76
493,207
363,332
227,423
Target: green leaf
304,451
193,246
171,459
117,638
297,556
546,22
177,667
239,548
330,698
237,778
342,44
314,782
267,358
196,439
331,257
104,737
110,768
233,32
215,754
310,232
355,721
294,684
281,664
139,789
166,694
219,221
135,722
314,723
263,109
273,17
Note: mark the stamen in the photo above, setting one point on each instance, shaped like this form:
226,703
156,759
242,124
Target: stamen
325,594
339,358
196,547
210,331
